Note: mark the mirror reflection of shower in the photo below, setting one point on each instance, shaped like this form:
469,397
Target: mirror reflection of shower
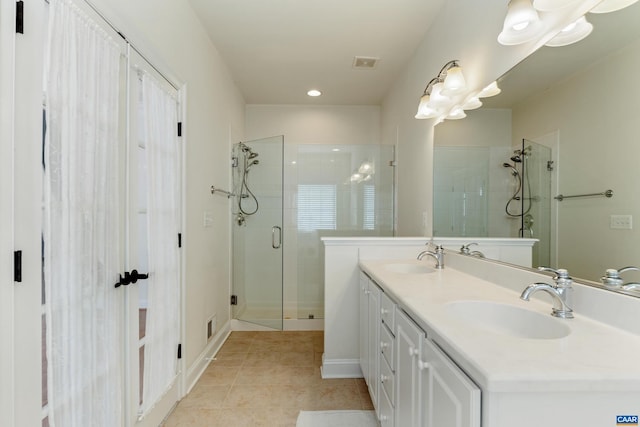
522,195
247,204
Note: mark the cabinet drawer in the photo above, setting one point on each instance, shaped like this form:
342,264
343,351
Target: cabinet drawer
388,312
386,413
387,344
387,379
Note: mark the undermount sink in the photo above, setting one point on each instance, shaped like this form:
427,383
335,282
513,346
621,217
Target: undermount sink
408,268
509,320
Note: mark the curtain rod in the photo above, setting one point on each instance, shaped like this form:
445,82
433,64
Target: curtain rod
109,23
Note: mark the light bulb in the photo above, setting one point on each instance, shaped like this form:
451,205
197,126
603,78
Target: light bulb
572,33
521,24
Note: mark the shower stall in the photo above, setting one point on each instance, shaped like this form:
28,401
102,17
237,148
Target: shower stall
286,197
531,167
495,191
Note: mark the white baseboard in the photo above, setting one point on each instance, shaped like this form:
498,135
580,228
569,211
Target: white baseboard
340,368
304,324
241,325
196,370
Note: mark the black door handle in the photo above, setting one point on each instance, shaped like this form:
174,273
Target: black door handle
135,276
129,278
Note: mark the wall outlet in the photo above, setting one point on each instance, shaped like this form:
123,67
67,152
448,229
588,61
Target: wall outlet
211,327
621,222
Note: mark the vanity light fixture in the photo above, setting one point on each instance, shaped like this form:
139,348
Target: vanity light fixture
471,103
607,6
442,92
456,113
551,5
492,89
522,23
572,33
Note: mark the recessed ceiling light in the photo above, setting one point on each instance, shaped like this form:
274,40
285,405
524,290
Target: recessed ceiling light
314,92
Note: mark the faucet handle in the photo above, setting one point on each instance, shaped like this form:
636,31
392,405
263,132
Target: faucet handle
561,277
465,248
612,276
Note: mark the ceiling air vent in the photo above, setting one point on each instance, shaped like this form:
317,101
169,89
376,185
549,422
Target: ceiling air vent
365,62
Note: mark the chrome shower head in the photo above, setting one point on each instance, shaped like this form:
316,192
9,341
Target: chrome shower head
514,171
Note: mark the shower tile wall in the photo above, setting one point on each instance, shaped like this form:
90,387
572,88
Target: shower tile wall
322,199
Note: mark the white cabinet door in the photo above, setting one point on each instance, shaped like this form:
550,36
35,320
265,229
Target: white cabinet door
451,398
364,326
408,348
374,343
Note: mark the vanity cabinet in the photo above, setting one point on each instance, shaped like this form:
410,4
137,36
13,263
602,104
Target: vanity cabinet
409,378
453,399
369,343
411,381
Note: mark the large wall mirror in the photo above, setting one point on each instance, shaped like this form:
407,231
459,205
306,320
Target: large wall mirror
566,123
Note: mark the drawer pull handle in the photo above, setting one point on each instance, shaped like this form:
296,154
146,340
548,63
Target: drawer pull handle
422,365
384,311
413,351
383,378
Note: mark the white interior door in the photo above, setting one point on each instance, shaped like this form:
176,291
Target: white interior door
140,211
21,60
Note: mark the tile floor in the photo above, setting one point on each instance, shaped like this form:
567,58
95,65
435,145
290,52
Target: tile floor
265,379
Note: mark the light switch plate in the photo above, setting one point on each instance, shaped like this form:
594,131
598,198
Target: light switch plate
621,222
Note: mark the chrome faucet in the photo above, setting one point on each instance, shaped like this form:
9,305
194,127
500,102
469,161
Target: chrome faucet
466,251
437,254
612,279
560,292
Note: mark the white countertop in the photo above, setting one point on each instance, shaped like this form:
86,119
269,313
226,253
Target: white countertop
594,356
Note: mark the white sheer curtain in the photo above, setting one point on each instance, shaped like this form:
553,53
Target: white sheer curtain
159,116
81,223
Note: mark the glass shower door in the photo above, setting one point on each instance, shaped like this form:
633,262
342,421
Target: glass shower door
257,214
536,221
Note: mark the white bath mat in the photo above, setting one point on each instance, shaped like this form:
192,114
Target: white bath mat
337,419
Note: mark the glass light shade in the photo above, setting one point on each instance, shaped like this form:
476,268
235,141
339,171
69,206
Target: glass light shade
522,23
491,90
551,5
437,98
425,110
472,103
572,33
456,113
607,6
454,83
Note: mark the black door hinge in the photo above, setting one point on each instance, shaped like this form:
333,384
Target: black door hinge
179,240
234,300
20,17
17,266
179,128
179,351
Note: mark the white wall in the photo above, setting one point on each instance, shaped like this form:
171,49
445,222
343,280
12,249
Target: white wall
169,34
304,124
603,117
459,33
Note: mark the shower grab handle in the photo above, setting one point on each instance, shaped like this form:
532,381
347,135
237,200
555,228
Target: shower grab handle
608,193
275,244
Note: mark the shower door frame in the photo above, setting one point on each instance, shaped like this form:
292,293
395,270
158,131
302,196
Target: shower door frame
268,235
